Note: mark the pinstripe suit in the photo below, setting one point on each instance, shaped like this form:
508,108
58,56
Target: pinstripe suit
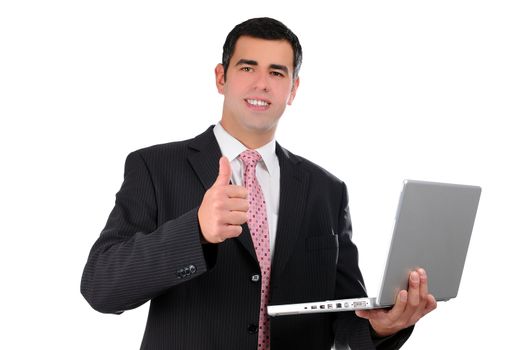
206,296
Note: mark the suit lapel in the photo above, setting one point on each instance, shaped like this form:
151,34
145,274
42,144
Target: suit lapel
205,162
294,183
205,159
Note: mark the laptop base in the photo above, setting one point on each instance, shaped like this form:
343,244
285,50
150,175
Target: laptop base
324,306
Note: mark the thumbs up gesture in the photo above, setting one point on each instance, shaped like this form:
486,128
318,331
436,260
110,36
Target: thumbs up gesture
224,207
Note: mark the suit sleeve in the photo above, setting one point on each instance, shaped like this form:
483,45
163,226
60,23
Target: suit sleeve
134,259
350,330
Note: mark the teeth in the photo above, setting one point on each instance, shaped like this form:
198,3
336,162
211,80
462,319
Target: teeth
257,102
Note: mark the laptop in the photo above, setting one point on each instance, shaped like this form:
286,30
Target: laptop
432,230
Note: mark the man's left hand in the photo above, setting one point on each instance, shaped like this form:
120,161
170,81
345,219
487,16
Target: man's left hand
409,307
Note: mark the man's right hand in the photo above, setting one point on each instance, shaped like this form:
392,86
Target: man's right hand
224,207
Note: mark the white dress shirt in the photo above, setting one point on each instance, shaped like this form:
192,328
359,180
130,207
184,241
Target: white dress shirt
267,173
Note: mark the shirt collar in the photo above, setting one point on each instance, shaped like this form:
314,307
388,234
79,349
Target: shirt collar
232,148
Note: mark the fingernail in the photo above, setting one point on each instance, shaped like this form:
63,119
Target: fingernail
414,276
403,297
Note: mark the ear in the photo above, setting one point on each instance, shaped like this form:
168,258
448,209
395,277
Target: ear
220,77
296,82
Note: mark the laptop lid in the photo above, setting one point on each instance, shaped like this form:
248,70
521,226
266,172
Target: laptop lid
432,230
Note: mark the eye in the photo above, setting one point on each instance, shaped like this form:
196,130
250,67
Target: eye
277,74
246,69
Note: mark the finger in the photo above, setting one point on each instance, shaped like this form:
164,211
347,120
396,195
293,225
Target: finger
363,314
431,304
413,290
428,304
224,173
423,285
371,314
234,191
235,218
232,231
226,232
418,304
237,204
423,294
388,319
413,299
400,306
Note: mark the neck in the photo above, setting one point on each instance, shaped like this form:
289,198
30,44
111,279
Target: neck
249,138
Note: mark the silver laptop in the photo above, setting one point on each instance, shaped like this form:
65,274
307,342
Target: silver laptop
432,230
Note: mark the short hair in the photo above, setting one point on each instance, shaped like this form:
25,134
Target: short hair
262,28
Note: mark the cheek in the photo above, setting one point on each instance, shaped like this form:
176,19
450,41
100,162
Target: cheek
235,90
230,92
285,92
288,97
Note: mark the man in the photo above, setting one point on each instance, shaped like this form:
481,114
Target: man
212,229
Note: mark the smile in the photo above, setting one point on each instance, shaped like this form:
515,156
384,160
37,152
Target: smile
258,103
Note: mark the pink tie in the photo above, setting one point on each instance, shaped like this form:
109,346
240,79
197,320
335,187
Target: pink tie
257,222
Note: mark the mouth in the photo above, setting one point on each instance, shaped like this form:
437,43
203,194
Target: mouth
257,104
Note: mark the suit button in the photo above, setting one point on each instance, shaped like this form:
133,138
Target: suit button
192,268
255,278
187,271
252,328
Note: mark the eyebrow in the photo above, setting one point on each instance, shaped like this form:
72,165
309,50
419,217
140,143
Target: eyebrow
249,62
254,63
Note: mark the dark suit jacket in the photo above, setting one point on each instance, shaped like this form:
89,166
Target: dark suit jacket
206,296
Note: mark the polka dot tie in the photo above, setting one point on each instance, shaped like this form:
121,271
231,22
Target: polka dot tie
257,222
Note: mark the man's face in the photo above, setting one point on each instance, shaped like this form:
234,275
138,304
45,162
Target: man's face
259,84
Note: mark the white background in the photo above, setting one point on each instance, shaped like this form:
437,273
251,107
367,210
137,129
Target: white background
389,90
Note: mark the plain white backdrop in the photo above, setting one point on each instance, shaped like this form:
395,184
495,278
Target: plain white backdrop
389,90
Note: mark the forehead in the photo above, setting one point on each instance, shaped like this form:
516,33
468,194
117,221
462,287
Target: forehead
263,51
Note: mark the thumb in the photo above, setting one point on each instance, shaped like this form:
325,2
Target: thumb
362,314
224,174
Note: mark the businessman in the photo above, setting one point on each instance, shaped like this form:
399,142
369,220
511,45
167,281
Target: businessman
213,229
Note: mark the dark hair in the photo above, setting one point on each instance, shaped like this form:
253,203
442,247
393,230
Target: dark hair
262,28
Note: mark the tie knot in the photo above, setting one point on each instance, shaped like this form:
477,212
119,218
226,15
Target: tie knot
250,157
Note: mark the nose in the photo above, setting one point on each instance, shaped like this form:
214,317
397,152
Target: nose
261,81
